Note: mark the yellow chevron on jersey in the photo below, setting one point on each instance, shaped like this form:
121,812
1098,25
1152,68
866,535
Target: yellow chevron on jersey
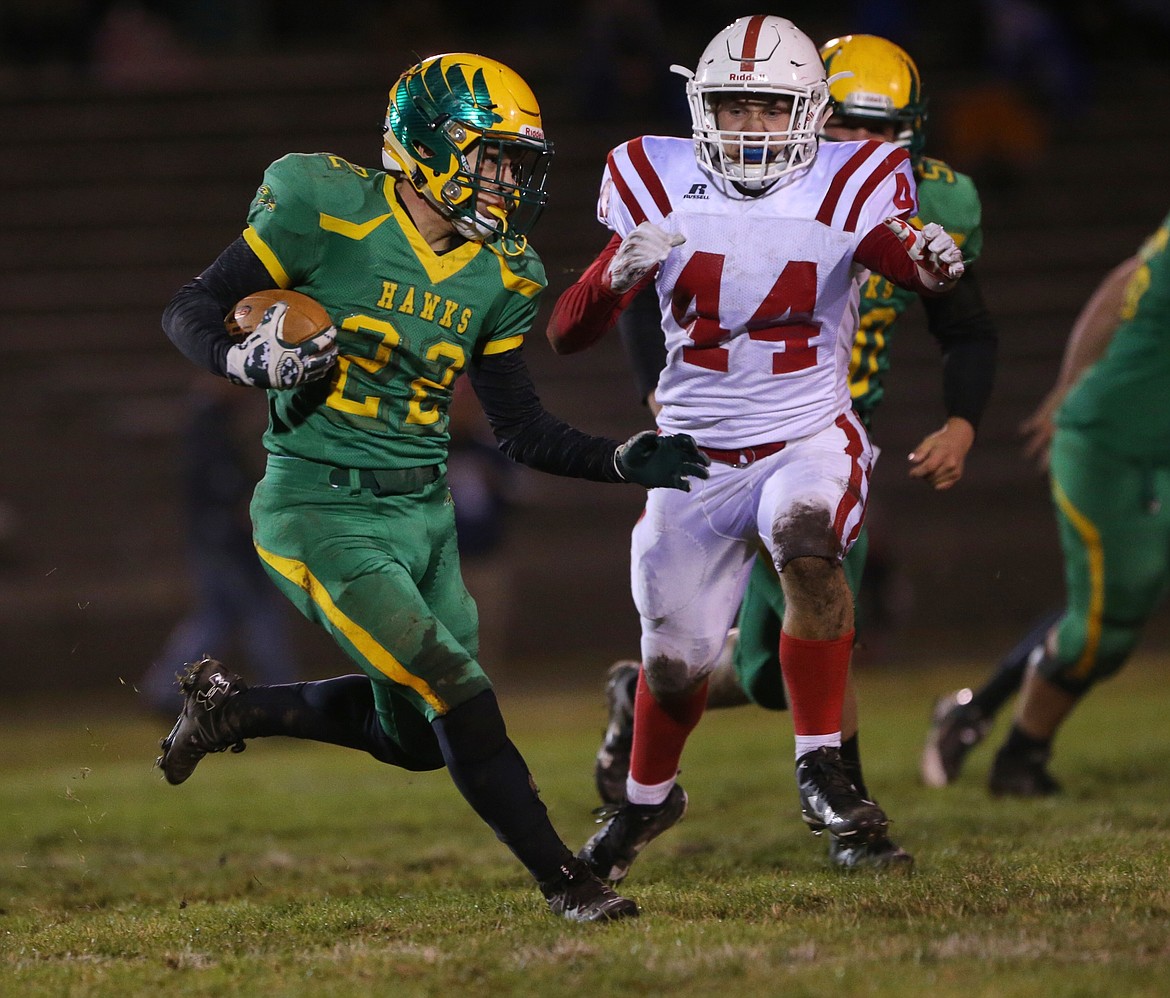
949,198
351,230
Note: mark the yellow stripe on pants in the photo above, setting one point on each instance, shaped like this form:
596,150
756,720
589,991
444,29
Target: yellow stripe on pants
1091,538
297,572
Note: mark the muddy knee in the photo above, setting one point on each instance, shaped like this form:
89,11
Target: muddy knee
805,531
669,678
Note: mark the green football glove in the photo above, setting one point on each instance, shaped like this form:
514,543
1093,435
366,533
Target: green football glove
660,462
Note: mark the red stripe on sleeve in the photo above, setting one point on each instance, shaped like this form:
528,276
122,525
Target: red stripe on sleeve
833,197
649,177
888,166
624,192
588,308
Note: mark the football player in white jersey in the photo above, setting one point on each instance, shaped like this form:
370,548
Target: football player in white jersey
756,238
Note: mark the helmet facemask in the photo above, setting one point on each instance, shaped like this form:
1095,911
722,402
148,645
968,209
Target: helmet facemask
498,190
466,133
756,160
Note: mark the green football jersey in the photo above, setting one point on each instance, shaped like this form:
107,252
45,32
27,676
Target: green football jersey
409,320
1122,402
945,197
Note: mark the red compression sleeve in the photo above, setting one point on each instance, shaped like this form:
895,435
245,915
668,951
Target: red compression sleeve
588,309
884,253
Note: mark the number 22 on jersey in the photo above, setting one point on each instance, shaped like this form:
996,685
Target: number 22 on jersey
380,340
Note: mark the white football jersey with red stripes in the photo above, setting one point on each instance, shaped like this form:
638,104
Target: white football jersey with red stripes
759,305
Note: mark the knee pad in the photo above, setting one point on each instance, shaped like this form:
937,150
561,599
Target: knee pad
474,730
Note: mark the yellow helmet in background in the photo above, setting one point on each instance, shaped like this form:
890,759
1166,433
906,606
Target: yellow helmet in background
870,77
458,124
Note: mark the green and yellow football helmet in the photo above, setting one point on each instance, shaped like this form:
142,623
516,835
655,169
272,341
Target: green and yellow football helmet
460,125
870,77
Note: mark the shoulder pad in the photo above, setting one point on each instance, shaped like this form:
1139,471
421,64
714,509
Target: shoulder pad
325,182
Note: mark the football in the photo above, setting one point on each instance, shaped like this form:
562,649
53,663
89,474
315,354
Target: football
306,317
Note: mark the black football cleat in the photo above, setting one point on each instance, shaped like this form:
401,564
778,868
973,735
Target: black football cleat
878,854
956,727
829,799
613,757
205,724
628,830
579,896
1022,774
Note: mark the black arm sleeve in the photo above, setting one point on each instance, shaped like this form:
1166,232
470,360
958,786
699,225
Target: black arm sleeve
967,335
640,327
529,433
193,319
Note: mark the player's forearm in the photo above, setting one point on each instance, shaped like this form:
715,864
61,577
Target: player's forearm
969,340
588,309
1095,325
527,432
968,377
883,252
193,319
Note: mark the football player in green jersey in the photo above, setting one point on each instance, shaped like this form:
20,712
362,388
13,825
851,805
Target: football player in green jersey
1104,432
426,271
876,93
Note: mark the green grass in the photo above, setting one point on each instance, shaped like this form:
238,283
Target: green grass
297,869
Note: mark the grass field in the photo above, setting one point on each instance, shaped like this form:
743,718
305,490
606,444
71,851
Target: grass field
296,869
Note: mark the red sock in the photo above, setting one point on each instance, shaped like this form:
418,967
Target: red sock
815,673
659,736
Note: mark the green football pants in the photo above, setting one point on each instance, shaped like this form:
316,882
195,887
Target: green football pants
1114,521
380,572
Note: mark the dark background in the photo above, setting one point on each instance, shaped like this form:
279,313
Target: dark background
134,136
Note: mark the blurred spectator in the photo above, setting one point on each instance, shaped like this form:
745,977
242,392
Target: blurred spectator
235,603
1034,45
994,133
139,45
50,32
892,19
1033,72
624,63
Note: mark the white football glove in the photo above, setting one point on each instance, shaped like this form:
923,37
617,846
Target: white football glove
940,261
263,360
640,252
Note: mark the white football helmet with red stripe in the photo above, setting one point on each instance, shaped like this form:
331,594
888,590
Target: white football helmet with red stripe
759,56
